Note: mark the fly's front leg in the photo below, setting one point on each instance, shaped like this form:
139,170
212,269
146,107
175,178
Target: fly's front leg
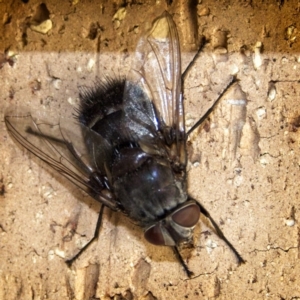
219,232
184,265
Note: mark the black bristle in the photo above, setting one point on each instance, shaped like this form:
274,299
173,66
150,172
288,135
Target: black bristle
101,100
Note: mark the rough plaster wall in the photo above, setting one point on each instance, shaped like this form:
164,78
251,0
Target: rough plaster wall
246,176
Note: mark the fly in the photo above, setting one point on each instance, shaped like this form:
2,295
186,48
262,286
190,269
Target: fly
126,146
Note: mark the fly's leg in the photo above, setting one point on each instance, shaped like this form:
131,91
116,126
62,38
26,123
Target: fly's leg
198,123
183,76
202,209
95,236
210,110
220,233
192,62
180,259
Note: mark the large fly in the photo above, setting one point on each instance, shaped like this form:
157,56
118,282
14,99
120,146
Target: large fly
127,145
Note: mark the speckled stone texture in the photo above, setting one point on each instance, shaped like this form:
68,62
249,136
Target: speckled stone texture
243,161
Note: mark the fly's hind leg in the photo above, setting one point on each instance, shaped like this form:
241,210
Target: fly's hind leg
210,110
192,62
183,77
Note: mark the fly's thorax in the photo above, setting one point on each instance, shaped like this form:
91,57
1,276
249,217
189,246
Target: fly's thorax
145,185
176,228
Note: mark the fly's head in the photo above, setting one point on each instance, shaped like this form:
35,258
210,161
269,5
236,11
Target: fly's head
175,228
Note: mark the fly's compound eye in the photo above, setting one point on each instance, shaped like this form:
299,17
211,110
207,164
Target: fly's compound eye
174,228
154,235
187,216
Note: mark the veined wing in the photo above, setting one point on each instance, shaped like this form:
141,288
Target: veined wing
63,150
157,72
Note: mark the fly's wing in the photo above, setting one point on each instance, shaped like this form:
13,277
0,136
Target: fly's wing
63,149
152,98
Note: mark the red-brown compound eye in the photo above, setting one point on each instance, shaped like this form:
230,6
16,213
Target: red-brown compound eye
187,216
154,235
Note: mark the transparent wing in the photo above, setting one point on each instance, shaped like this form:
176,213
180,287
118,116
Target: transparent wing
64,150
157,71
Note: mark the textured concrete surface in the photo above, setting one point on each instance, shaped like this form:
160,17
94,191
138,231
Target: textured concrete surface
243,162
